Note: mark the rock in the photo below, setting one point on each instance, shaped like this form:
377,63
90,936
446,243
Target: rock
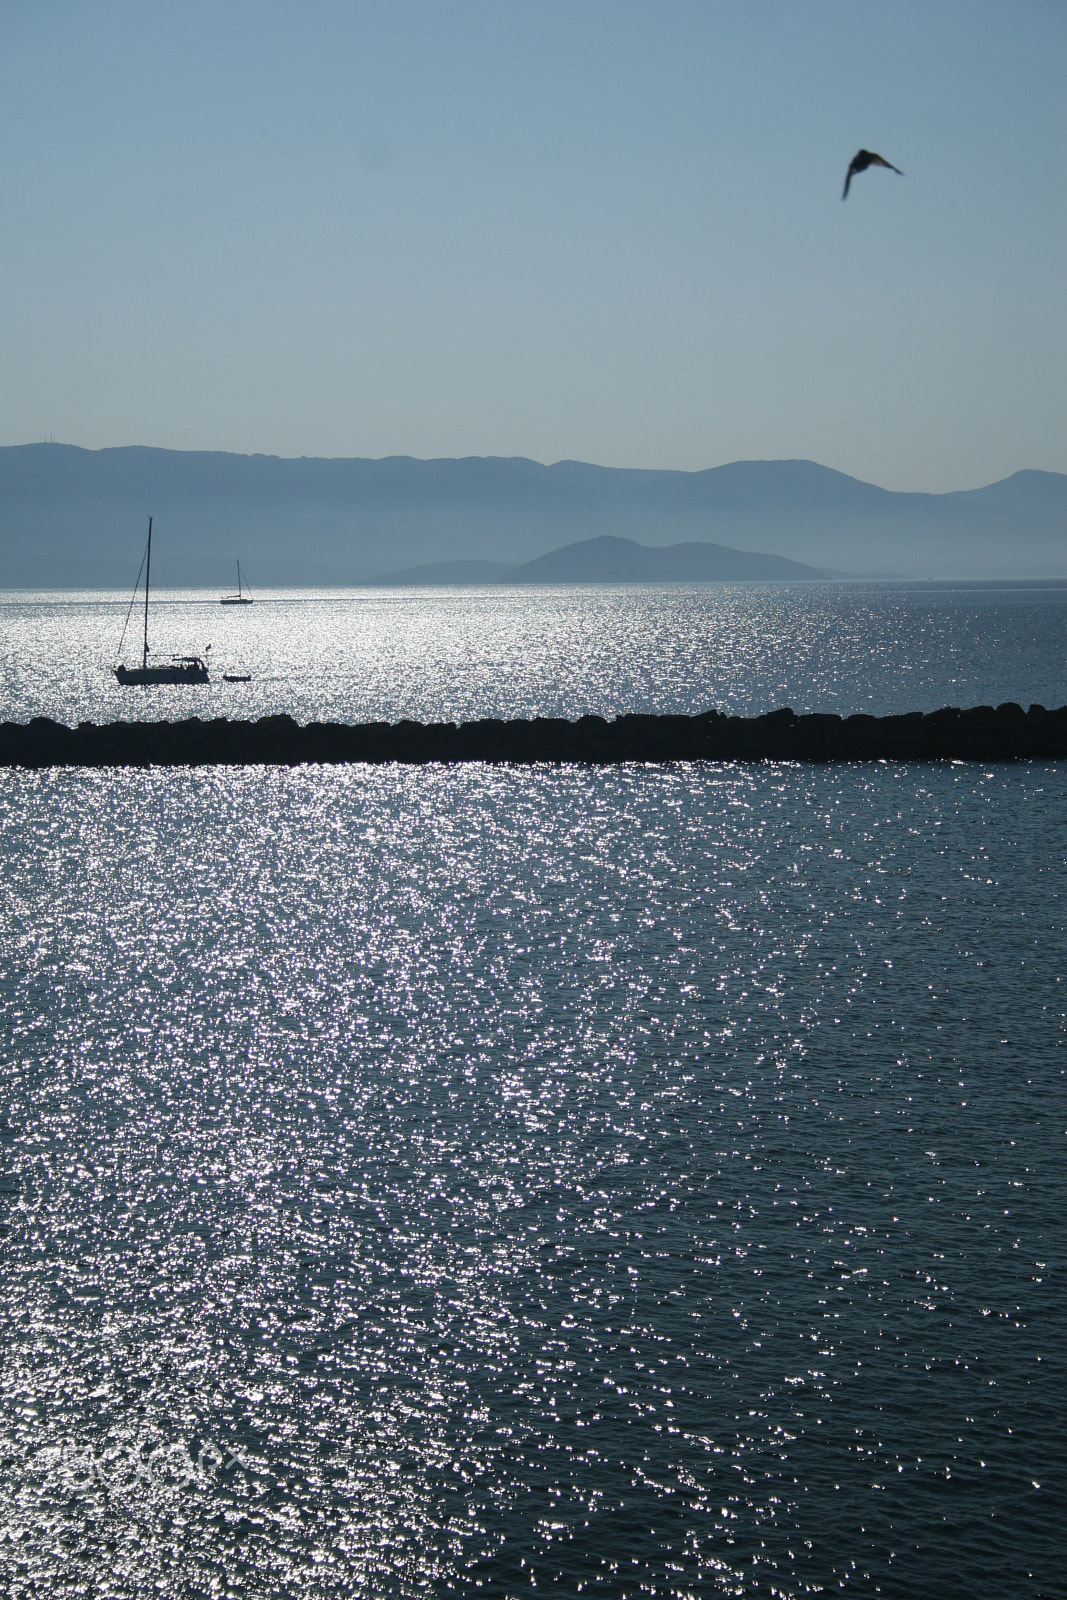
1006,733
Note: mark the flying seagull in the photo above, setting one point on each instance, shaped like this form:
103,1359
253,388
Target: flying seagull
861,161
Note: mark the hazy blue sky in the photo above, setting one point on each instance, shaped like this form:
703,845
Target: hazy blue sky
605,231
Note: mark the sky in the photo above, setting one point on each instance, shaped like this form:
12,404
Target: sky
603,232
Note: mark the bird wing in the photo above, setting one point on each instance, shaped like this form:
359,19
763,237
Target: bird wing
861,161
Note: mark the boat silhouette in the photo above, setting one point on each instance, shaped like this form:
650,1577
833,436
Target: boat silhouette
179,669
238,599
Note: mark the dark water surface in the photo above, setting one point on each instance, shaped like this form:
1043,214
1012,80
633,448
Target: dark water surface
627,1182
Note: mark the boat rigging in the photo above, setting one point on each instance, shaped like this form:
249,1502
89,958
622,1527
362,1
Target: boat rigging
180,669
238,599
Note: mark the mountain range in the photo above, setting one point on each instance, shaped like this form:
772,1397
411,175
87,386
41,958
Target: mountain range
73,518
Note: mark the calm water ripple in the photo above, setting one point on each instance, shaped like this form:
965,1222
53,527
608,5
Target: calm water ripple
626,1182
369,655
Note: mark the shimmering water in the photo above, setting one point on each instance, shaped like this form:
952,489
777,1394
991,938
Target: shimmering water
365,655
625,1182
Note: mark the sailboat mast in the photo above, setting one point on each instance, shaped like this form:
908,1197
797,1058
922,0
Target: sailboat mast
147,575
238,580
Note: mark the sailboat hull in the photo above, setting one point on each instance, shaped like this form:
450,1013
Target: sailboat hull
192,670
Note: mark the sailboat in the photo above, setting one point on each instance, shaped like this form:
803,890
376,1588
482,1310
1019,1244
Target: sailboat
181,669
237,599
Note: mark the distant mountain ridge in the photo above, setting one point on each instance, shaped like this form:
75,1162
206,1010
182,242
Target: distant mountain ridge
73,517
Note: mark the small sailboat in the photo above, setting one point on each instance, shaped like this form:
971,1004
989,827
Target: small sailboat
180,669
238,599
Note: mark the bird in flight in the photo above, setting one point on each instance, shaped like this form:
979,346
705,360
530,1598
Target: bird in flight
860,162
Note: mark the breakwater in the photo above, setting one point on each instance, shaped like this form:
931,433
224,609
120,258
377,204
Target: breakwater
983,733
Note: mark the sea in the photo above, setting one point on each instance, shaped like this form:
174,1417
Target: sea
626,1181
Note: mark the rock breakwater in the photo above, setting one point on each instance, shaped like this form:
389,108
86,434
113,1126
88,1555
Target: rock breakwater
983,733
